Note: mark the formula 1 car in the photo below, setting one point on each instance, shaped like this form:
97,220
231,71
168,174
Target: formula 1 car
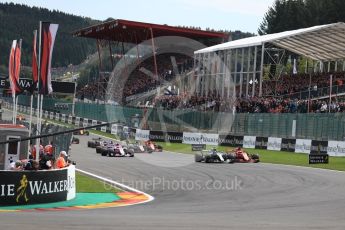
20,117
116,150
81,132
75,140
138,148
150,146
102,146
242,156
214,156
94,142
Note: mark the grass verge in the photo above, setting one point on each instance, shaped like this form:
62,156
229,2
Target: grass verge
267,156
88,184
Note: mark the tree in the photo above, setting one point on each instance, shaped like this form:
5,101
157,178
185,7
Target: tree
285,15
295,14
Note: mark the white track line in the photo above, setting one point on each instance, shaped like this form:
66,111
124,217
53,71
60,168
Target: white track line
122,186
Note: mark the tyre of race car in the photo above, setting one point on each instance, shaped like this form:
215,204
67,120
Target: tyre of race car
230,158
198,157
255,157
131,152
89,144
149,150
98,150
103,153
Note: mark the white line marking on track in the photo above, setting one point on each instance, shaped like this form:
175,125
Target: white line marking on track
122,186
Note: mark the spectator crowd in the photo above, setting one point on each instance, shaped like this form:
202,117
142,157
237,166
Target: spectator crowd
47,160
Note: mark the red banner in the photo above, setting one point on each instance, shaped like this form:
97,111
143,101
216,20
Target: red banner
14,67
48,34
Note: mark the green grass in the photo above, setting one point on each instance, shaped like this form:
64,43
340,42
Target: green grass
92,185
266,156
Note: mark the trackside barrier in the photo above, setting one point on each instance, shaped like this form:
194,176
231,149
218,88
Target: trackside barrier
298,145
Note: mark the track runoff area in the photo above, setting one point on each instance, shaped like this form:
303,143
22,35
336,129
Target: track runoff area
191,195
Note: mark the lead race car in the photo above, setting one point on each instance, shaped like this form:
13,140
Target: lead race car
236,156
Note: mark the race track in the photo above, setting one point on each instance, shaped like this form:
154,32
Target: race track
192,195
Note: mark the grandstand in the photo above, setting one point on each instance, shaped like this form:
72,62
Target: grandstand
250,75
153,62
256,74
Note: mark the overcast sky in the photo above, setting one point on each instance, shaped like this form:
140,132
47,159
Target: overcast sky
244,15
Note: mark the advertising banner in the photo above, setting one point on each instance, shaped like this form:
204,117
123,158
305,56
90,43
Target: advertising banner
51,116
104,128
249,142
32,187
63,118
57,116
319,147
274,143
85,122
198,147
261,142
173,137
200,138
77,121
142,135
336,148
229,140
288,145
94,122
69,119
303,146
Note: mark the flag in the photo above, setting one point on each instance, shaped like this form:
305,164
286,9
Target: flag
48,34
34,64
14,67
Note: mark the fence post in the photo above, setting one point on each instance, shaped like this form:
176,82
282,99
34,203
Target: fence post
293,131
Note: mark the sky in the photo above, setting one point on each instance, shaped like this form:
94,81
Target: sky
244,15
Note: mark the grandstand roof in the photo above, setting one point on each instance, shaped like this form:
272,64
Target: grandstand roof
325,42
137,32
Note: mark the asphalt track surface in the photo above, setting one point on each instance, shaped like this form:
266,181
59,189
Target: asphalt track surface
192,195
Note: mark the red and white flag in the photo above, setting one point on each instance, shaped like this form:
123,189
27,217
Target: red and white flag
14,67
48,34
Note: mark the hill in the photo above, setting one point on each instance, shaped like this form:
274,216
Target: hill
19,21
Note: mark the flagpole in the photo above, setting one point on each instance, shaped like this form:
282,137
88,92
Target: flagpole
38,92
14,107
34,81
